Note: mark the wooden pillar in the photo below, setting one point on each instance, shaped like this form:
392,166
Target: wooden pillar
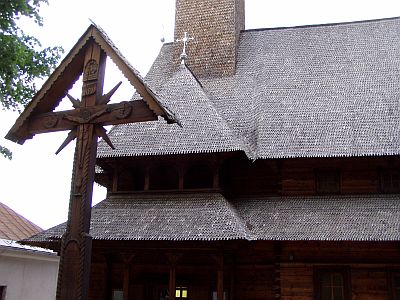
127,259
215,167
108,277
233,280
173,260
216,177
172,282
181,172
147,179
115,180
277,270
76,243
219,259
220,280
181,179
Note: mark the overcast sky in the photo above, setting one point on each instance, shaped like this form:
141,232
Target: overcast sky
36,182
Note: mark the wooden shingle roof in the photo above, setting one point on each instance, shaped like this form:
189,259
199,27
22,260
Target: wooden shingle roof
14,226
211,217
311,91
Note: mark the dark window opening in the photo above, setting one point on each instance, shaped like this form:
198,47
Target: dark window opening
131,179
332,285
198,176
390,181
327,182
164,178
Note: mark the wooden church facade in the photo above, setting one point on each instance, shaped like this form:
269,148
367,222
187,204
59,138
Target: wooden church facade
281,181
283,268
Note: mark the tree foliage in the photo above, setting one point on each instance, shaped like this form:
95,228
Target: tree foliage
22,59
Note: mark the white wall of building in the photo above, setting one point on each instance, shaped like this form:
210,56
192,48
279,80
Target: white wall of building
28,274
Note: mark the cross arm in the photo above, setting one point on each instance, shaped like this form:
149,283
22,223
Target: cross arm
111,114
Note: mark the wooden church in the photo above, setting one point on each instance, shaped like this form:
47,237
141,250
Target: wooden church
281,179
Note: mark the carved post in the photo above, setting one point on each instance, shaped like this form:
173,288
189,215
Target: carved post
76,244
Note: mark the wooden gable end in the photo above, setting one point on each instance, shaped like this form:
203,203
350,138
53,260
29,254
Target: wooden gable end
64,77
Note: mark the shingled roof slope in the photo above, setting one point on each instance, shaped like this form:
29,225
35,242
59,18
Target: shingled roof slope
169,217
14,226
324,218
209,217
202,128
310,91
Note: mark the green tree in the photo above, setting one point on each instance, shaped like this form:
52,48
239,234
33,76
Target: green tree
22,59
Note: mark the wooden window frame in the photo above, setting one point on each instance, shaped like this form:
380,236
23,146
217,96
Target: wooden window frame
343,270
321,172
181,289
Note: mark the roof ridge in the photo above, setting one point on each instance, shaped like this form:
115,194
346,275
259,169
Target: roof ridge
321,24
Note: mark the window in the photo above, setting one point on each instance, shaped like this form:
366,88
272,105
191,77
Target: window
327,181
118,295
3,292
395,278
164,177
215,294
198,176
181,293
390,181
332,284
131,179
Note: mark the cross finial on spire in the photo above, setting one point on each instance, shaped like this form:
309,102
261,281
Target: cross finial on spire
185,41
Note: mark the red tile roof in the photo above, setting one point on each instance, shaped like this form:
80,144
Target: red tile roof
14,226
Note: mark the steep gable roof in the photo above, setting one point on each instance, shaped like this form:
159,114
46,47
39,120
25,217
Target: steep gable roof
201,129
14,226
311,91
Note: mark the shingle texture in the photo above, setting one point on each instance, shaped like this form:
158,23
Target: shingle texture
313,91
210,216
161,217
354,218
202,128
14,226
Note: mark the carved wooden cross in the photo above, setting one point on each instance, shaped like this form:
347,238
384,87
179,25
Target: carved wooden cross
85,123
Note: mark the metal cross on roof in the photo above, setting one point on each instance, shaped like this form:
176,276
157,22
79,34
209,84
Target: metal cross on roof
185,41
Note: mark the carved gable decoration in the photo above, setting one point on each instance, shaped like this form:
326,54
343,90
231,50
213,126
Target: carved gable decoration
62,79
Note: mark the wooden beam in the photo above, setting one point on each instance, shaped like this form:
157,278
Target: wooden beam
111,114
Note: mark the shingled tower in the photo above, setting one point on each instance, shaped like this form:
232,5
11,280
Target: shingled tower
215,26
